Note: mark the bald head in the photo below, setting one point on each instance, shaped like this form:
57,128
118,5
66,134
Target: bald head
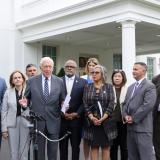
71,62
70,68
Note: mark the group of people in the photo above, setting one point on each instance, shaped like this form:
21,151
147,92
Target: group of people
106,116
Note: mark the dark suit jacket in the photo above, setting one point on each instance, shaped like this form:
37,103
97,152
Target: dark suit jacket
76,102
3,88
156,81
140,106
50,110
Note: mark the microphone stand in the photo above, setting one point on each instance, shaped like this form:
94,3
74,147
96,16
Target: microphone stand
35,144
34,117
34,133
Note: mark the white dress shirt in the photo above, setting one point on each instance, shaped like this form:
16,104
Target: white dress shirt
69,84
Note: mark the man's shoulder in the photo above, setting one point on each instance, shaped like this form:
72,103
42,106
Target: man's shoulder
34,78
157,76
84,77
147,84
2,79
156,79
3,83
80,79
56,78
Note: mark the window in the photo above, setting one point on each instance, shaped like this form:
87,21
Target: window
150,65
117,61
50,51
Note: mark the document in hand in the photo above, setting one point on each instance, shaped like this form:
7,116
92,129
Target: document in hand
65,105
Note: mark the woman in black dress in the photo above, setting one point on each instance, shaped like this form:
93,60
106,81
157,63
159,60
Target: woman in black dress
99,103
120,90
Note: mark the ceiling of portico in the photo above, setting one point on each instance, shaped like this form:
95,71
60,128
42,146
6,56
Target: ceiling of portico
108,37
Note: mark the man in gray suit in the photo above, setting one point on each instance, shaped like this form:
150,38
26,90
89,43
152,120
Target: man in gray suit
3,88
46,93
137,113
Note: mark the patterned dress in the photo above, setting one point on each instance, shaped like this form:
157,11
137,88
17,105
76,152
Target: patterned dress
98,135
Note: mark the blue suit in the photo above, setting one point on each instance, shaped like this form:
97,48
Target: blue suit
3,88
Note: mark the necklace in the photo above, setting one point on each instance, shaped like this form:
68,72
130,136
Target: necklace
98,86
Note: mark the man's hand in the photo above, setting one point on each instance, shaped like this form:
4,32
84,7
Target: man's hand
128,119
71,116
5,135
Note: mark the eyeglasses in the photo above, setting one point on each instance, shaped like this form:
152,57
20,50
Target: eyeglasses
70,67
118,70
95,72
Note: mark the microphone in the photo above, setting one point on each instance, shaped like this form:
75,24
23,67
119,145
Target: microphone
36,116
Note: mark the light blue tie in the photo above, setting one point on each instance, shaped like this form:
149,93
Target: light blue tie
133,93
46,90
135,89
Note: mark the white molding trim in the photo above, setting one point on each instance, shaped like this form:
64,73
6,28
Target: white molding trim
119,17
51,25
32,3
88,4
154,2
82,6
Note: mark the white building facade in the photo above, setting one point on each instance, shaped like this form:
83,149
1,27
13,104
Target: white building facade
115,31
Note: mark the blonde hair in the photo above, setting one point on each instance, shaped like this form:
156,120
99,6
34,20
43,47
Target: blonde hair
91,60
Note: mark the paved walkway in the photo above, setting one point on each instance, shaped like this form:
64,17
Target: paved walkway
4,153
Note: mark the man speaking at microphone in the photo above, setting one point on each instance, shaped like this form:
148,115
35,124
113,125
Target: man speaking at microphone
46,93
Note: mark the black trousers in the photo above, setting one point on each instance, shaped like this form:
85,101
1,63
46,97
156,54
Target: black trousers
0,139
121,141
75,139
0,131
156,137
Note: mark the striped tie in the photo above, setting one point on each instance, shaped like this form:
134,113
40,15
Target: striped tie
135,88
46,90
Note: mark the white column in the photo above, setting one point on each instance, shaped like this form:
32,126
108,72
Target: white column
128,48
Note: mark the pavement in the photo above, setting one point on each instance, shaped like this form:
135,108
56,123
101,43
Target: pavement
5,155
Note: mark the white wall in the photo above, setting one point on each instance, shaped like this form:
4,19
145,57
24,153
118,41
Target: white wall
26,9
73,52
33,54
156,56
8,40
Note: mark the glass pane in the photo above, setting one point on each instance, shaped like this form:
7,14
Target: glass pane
49,51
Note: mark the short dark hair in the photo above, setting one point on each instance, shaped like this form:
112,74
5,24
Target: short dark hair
124,79
142,64
30,65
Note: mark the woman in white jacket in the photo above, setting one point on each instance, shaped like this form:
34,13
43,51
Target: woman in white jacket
14,125
119,86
